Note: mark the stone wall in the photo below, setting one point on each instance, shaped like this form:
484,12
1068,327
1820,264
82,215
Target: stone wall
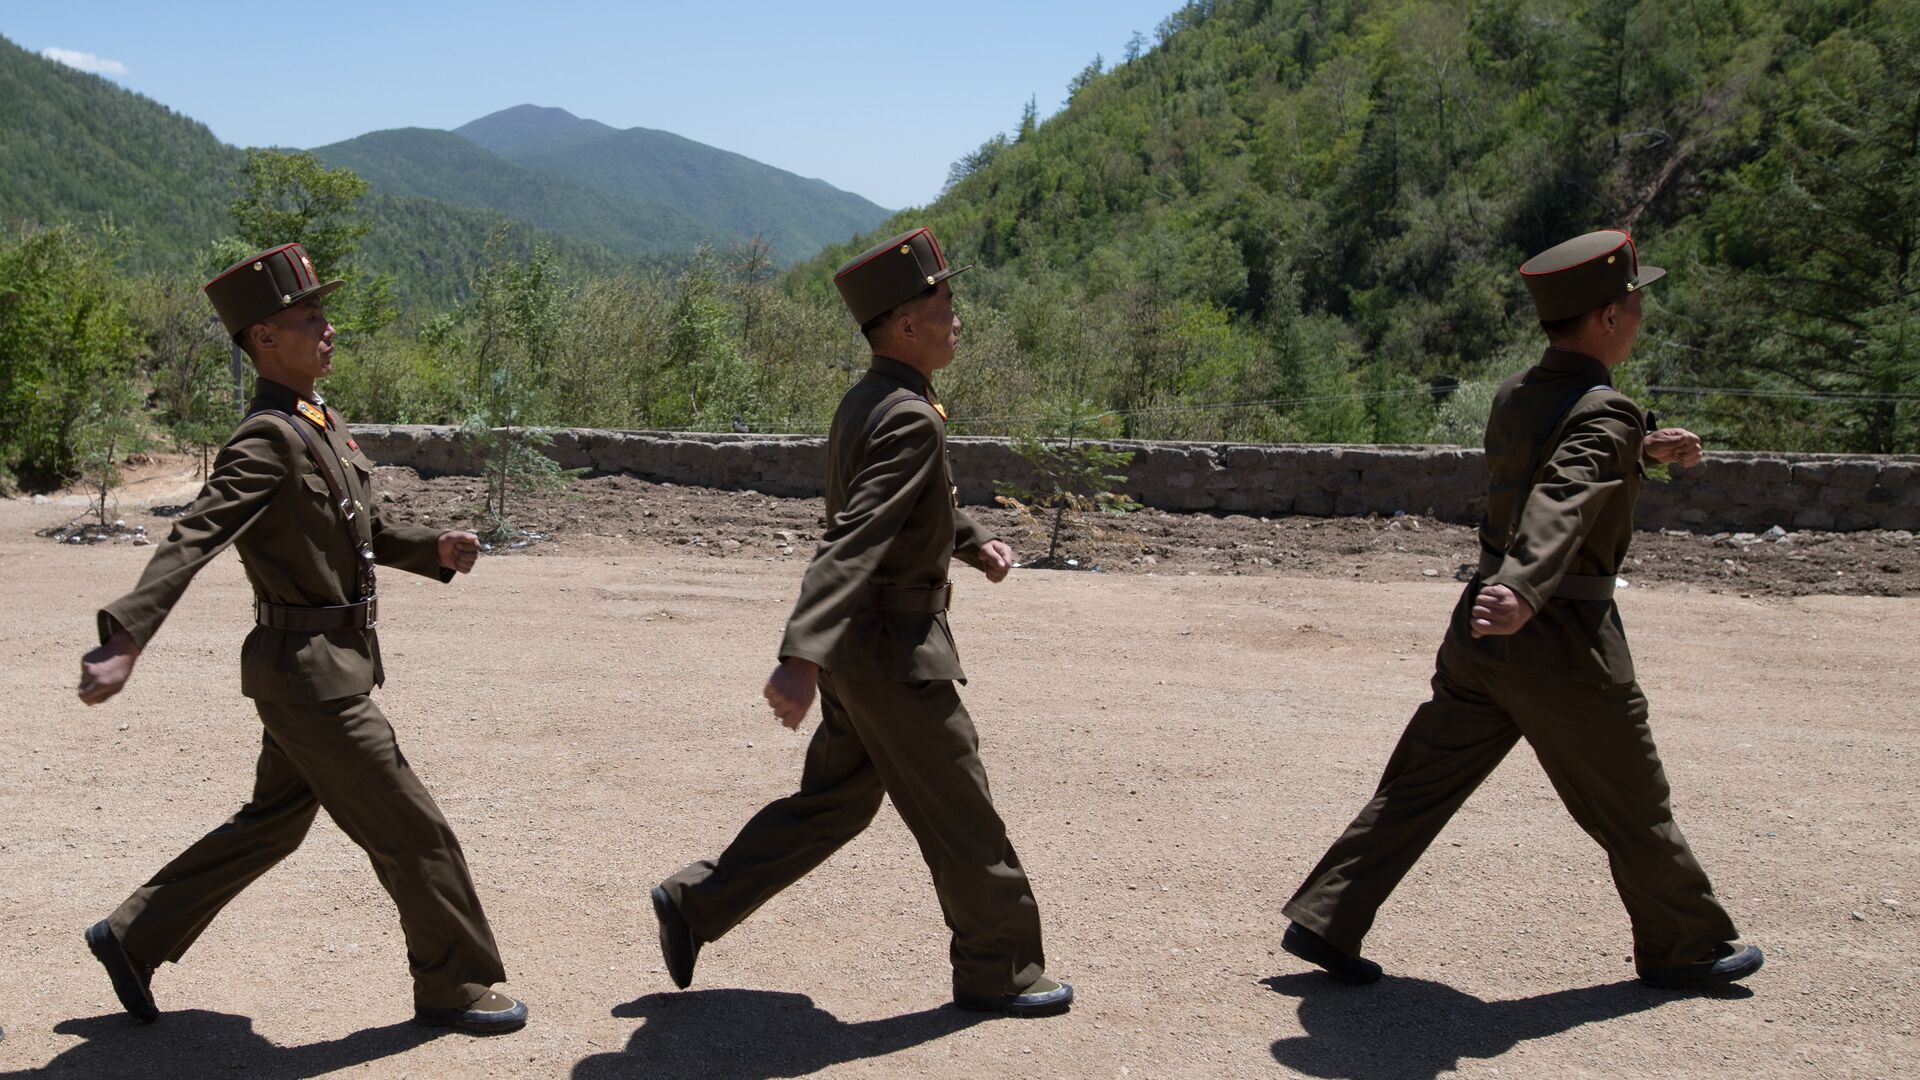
1728,491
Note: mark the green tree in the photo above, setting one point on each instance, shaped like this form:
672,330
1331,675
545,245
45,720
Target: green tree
1823,232
191,364
518,311
67,346
291,196
1070,473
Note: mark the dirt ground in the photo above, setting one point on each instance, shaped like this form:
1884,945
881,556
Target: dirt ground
1173,743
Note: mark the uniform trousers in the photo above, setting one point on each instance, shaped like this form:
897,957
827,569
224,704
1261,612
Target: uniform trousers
1597,750
339,755
913,742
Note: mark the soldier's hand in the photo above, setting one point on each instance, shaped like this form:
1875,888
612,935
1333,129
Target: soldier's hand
459,551
1499,611
996,558
790,690
1672,446
103,671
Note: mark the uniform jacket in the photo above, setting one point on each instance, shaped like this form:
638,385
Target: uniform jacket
1570,504
266,497
892,521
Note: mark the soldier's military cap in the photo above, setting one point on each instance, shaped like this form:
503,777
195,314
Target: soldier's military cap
1584,273
892,272
256,287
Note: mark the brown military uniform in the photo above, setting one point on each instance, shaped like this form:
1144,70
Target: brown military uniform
872,614
1563,457
326,744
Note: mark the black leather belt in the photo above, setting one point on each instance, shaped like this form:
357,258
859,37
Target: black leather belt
317,620
909,601
1571,587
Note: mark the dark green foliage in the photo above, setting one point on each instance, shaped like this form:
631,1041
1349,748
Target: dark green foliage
74,147
68,376
1292,220
1289,219
1818,242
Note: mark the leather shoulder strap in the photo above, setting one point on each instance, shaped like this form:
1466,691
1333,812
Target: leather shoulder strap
360,539
1555,430
897,397
327,473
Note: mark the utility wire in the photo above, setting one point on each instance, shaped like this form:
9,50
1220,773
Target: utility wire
1795,395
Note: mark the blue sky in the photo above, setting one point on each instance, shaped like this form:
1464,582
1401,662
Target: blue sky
876,98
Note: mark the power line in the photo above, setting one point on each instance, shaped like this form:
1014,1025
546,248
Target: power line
1209,406
1795,395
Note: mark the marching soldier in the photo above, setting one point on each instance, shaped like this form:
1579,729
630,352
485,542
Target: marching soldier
293,493
1536,649
870,633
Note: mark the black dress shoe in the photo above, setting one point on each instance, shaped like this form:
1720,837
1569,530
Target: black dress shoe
1729,963
1315,949
1044,998
677,945
129,983
494,1014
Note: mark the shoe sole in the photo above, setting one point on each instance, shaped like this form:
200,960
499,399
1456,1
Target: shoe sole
1707,979
1307,952
500,1027
993,1005
664,912
134,999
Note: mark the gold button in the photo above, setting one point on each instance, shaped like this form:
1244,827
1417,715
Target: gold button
257,266
286,298
1629,286
906,249
929,279
1610,260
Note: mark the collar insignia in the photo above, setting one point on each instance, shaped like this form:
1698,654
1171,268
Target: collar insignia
941,409
319,418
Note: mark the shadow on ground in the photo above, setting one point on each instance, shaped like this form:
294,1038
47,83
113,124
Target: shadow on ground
756,1035
1416,1029
195,1042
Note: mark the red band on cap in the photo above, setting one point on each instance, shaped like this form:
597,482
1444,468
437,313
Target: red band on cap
243,264
1628,243
889,246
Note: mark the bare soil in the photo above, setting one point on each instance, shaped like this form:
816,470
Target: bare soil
1173,743
623,509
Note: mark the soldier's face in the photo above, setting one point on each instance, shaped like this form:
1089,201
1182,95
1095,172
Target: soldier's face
301,340
1626,324
941,327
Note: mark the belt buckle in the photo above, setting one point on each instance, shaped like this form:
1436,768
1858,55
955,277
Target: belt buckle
373,613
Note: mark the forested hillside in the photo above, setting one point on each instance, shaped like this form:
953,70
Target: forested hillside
74,147
422,163
1292,220
1317,206
728,197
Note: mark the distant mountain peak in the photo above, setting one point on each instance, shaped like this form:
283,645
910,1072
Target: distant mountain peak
525,127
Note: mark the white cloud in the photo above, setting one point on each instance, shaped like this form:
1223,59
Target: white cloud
85,61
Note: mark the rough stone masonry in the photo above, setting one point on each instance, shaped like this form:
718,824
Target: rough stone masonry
1728,491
